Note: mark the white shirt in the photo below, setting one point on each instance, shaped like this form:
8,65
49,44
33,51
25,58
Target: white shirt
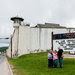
49,56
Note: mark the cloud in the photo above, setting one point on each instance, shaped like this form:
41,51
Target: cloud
36,11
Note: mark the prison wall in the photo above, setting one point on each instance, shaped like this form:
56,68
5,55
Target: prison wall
24,40
32,40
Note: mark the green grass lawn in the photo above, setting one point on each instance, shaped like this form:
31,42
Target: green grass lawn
37,64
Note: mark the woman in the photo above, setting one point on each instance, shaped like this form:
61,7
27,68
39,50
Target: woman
50,59
55,59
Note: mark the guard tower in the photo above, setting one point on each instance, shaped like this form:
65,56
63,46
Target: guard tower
17,21
14,48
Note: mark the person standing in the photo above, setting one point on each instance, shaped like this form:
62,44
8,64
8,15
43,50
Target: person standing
60,57
50,59
55,59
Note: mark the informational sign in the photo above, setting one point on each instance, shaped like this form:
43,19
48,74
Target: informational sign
65,41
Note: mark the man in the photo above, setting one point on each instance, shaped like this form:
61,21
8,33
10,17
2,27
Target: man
60,57
50,59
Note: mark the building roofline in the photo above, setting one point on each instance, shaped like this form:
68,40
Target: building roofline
13,18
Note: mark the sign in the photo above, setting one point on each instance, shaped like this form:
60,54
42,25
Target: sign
64,36
64,41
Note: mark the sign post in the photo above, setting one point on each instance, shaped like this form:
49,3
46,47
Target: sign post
52,41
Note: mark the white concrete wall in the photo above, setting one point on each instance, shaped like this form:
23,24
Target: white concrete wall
24,40
60,30
45,38
72,30
14,44
32,40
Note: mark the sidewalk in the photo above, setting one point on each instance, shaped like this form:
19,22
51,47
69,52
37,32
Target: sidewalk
4,66
69,56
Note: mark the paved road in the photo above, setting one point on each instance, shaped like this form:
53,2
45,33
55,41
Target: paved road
4,66
69,56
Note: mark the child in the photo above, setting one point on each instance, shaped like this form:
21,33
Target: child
55,59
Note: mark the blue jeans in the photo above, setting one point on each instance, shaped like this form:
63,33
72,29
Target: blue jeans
55,63
61,62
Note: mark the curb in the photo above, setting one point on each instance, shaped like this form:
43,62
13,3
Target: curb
10,71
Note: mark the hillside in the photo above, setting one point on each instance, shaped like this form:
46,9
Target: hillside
3,49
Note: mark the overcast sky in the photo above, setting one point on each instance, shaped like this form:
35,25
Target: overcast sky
36,11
